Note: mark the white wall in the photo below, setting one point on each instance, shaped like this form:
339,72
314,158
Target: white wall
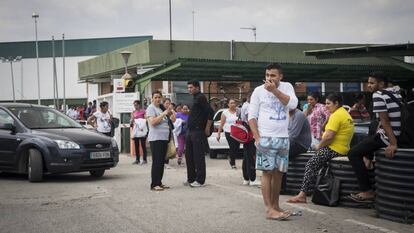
25,79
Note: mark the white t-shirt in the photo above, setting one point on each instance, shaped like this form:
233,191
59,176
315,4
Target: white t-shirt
231,119
272,116
102,121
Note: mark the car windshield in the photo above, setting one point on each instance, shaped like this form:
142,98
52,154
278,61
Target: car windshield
43,118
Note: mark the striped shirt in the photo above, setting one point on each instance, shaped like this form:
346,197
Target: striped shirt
384,103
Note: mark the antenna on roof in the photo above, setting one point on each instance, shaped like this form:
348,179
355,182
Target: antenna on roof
253,28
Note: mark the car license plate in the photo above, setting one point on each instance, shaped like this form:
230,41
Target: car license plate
101,155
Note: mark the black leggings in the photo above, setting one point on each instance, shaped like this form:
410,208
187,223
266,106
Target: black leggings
248,165
158,151
234,148
141,141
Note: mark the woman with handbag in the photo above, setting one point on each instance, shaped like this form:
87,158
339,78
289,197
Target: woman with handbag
335,142
139,125
158,137
229,117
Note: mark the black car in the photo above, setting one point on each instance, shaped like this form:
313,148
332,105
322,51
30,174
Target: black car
37,139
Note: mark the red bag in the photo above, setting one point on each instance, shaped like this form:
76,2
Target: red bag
241,132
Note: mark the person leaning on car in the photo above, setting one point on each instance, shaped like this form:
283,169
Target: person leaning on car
101,119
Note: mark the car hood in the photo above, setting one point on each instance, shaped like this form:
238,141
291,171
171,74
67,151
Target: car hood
78,135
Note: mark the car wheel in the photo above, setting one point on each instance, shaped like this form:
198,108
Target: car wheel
35,166
213,154
97,173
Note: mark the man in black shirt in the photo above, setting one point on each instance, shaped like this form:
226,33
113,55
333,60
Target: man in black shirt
198,125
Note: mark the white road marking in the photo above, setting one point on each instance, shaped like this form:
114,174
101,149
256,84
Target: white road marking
370,226
260,197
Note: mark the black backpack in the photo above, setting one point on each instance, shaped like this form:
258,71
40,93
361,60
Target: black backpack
406,139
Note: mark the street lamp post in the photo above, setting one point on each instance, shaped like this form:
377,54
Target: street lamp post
35,16
126,78
11,60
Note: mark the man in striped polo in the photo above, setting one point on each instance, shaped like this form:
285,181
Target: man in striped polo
389,114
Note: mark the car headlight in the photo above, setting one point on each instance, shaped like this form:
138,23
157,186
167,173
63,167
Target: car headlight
62,144
113,143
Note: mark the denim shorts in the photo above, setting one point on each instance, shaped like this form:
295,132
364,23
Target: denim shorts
272,154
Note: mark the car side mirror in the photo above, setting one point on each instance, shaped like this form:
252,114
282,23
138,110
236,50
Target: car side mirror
8,126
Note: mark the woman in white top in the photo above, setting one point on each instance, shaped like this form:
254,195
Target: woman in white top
228,118
102,119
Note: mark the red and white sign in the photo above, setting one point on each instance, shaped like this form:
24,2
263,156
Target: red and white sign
119,86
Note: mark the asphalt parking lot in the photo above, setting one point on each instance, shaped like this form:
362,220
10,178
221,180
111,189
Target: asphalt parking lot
121,201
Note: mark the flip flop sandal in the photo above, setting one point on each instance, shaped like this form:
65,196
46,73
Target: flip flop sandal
157,188
358,198
282,217
165,186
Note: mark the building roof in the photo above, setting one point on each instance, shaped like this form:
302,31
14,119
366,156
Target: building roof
364,51
218,60
161,52
183,69
73,47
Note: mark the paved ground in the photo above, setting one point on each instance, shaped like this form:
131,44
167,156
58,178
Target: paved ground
121,201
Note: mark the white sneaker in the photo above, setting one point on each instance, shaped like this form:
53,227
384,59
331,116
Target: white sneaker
195,184
246,182
167,166
255,183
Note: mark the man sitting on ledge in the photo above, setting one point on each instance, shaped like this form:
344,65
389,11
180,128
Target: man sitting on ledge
389,129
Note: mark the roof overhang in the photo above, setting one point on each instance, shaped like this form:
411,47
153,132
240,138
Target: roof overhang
393,54
364,51
184,69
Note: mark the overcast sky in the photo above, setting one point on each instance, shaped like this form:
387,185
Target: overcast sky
335,21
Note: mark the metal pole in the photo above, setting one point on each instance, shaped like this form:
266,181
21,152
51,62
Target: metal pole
11,66
170,27
21,80
254,32
35,16
54,78
64,78
193,24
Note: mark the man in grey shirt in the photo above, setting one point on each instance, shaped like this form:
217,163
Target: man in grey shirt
299,137
299,133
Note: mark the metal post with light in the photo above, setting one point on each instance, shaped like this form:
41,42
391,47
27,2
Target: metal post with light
126,78
11,60
35,16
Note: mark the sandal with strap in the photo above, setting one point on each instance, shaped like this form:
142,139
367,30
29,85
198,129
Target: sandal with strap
157,188
357,197
165,186
281,217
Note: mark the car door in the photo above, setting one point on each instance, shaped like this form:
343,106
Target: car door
8,140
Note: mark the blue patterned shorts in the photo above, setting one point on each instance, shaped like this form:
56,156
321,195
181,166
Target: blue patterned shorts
272,153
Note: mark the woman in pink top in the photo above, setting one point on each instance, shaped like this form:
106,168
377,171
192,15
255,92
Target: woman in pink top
317,115
139,113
